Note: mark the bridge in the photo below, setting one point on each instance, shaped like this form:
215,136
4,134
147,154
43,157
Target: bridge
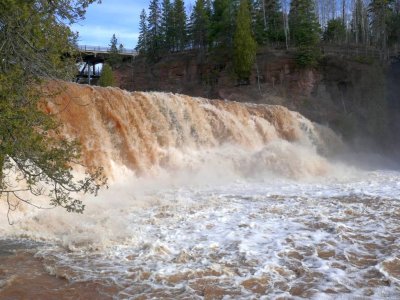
90,56
86,49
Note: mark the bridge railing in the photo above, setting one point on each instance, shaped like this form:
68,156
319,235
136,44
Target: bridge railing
99,49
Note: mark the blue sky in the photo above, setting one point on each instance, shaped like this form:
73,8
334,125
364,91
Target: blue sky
112,16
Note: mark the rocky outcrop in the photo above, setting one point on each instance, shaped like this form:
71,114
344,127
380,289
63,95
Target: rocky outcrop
345,93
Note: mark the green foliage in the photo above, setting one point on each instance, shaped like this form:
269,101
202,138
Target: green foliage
360,23
141,46
275,31
114,58
155,38
199,25
305,31
366,60
245,46
167,25
335,31
180,31
33,36
107,76
222,24
394,26
385,22
259,22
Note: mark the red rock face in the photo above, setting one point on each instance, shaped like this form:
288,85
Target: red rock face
191,74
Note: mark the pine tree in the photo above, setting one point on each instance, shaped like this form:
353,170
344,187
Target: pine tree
274,22
245,46
394,25
259,22
167,25
107,76
380,12
154,31
180,25
114,58
141,46
208,7
199,26
304,31
113,44
335,31
222,25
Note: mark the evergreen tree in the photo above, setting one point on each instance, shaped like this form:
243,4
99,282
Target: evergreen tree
245,46
199,26
34,36
155,39
274,22
167,25
268,21
142,44
259,21
304,31
208,7
114,58
113,44
107,76
335,31
222,25
394,25
180,25
380,16
360,23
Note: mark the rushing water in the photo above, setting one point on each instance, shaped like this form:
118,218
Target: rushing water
208,200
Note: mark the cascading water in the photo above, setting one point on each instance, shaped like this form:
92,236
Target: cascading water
150,132
208,199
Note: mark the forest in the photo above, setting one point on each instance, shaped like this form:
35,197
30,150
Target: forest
236,28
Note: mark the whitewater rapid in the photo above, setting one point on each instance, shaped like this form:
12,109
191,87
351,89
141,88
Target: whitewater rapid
207,200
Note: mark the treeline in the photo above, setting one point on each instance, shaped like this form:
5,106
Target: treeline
235,25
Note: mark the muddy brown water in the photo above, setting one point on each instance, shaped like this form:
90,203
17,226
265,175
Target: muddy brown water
360,262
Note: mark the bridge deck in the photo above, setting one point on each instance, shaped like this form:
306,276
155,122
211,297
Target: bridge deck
105,50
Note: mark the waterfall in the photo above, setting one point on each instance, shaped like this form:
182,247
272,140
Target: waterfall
151,132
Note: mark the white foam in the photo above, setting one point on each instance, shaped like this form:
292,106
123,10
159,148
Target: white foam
274,228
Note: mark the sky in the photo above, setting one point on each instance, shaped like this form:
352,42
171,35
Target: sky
112,16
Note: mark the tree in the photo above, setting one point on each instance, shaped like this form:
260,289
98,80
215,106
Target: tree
360,24
244,44
180,25
222,24
335,31
107,76
113,44
380,12
114,58
304,31
167,25
155,39
259,21
34,39
199,26
141,46
274,21
394,25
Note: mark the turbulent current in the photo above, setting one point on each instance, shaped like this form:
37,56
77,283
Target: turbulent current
208,199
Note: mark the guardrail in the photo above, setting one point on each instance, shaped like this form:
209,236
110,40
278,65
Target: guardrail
99,49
